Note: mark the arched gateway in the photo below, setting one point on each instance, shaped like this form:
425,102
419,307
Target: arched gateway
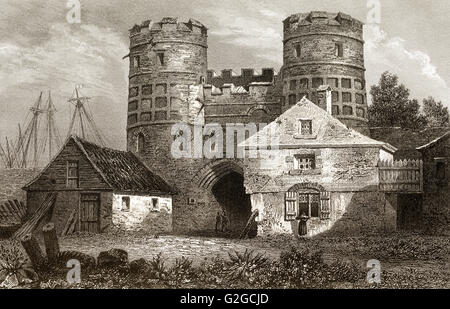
225,180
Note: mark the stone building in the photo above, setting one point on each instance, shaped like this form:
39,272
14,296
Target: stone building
436,188
169,83
100,186
319,169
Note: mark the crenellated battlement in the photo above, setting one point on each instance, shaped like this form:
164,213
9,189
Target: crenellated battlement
247,77
255,89
323,22
169,24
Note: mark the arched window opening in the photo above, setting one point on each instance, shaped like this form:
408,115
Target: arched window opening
140,144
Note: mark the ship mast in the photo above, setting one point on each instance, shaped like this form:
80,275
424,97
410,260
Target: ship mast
82,121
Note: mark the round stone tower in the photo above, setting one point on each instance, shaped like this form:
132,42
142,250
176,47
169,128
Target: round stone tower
322,48
168,64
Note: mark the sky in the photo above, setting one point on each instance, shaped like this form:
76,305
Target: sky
41,51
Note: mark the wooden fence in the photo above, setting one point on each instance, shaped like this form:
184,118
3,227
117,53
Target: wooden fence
404,176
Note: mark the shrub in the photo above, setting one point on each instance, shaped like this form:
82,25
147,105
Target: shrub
158,267
181,272
14,267
242,266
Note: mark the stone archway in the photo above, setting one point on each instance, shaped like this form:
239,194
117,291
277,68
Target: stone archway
225,180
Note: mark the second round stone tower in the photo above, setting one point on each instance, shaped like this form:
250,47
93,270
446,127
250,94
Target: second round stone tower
322,48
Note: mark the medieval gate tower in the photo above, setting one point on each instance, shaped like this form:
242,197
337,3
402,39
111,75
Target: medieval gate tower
168,60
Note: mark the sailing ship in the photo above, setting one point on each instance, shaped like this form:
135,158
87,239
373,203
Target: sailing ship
39,142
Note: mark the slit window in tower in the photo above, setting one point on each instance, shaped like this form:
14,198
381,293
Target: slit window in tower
339,50
140,143
136,61
298,50
160,57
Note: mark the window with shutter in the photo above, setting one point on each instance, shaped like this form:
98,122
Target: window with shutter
303,204
325,206
291,206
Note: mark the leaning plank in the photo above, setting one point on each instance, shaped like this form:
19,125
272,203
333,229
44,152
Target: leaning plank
34,252
29,226
14,211
249,224
21,207
70,224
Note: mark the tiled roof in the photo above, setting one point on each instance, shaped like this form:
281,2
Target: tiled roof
407,141
123,171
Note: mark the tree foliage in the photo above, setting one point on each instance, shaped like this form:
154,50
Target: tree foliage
391,105
435,113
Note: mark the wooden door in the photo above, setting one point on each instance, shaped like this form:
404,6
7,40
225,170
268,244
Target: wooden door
90,213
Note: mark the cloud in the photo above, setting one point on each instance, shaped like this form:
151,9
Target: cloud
414,67
72,54
252,31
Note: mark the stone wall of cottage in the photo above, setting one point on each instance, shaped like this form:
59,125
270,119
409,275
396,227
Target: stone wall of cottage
345,178
143,214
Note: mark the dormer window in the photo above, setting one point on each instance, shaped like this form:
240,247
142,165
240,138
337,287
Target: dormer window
305,127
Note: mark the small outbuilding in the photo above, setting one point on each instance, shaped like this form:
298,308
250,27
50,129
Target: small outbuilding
436,183
98,187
